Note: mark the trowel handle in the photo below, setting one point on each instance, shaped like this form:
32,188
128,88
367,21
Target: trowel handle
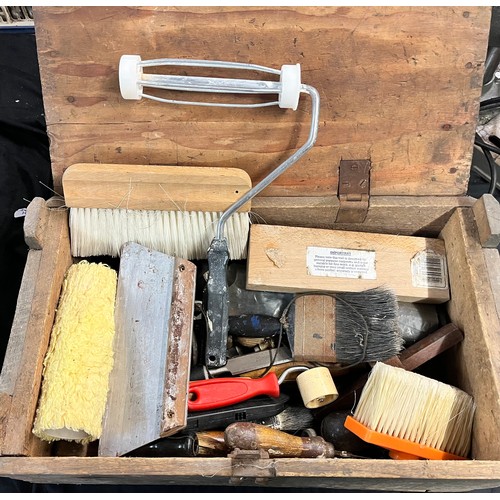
217,304
252,436
219,392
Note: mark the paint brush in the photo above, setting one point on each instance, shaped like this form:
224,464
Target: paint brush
413,416
347,328
292,418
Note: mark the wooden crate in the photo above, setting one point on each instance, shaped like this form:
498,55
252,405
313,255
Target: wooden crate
399,86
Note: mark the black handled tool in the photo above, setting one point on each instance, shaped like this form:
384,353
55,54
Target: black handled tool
217,304
173,446
258,408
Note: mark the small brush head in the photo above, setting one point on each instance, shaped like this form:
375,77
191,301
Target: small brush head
416,410
292,418
367,326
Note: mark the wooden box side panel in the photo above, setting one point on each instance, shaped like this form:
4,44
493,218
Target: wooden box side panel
406,215
473,308
398,85
381,475
21,377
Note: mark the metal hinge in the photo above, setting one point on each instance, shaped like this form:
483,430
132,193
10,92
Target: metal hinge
353,190
253,464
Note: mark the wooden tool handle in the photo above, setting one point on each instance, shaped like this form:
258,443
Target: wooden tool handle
154,187
35,223
250,436
429,347
211,444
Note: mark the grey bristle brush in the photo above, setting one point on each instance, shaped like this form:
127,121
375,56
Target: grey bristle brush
348,327
292,418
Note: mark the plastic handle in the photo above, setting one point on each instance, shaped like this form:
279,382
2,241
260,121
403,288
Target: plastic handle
129,72
173,446
217,304
218,392
290,86
399,448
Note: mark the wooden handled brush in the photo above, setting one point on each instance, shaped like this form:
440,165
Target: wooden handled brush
344,327
170,209
413,416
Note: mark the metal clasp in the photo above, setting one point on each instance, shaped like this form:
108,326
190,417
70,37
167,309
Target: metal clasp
353,190
253,464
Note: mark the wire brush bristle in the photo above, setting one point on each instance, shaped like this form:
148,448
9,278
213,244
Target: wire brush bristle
367,326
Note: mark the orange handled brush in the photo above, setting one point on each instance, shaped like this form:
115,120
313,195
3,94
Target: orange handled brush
413,416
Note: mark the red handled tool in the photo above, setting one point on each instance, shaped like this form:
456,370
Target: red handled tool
225,391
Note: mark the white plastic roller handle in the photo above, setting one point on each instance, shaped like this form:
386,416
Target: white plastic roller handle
290,86
132,80
129,74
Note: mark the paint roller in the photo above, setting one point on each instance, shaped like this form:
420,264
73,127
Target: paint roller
80,356
133,80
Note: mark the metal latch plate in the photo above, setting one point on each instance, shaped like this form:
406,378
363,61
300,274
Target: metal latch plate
353,190
252,464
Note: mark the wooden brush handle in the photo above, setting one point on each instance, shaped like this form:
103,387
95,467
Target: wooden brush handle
250,436
154,187
429,347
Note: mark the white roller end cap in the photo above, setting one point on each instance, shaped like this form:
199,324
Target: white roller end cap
129,73
290,86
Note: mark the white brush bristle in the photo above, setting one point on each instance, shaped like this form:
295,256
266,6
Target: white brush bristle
419,409
181,234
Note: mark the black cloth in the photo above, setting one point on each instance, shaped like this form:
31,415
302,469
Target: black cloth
24,160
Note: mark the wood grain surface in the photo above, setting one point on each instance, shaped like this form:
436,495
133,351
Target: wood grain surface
382,475
487,214
314,329
295,259
472,308
34,318
154,187
407,215
399,86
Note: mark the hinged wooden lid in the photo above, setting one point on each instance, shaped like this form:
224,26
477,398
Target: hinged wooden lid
399,86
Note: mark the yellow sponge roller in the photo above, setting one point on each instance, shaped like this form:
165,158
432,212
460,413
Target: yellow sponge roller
80,356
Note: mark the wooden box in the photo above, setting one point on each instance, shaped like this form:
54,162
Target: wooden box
399,87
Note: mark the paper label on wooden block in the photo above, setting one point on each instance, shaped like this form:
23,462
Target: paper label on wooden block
429,270
341,263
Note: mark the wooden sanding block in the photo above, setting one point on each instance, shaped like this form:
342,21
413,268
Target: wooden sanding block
292,259
149,383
